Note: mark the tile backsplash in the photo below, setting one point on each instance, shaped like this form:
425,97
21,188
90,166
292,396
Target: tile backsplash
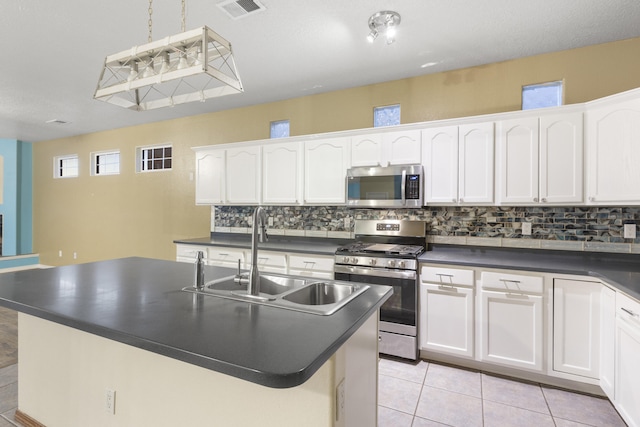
570,228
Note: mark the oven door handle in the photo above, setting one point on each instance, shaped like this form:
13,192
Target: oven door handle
377,272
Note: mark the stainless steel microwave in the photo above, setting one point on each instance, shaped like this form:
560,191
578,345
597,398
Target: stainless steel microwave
385,187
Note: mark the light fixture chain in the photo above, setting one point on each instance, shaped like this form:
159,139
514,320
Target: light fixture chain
183,16
150,20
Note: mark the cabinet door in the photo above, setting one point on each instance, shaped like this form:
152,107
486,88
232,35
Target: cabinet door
325,166
440,163
627,380
210,177
366,150
576,327
401,148
446,319
281,173
512,329
561,158
274,262
607,341
475,160
243,175
613,153
518,154
188,253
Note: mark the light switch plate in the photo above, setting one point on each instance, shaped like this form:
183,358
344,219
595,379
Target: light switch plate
629,231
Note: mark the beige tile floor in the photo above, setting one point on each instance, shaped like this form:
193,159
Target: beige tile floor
429,394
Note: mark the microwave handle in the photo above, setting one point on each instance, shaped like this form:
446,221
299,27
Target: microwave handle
403,187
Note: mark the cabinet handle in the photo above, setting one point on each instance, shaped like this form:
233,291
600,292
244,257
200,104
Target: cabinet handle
453,200
629,312
221,254
592,199
544,200
461,200
445,275
510,281
535,199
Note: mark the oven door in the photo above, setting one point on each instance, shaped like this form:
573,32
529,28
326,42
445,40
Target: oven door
399,313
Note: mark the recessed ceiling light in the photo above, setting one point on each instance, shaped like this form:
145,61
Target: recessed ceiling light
56,121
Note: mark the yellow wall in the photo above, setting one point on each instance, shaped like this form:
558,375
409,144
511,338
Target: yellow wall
141,214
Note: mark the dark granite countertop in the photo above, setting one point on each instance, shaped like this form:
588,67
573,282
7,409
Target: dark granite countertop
309,245
621,271
137,301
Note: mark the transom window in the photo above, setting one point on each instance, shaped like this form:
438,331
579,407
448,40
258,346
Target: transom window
542,95
65,166
153,158
279,129
386,116
106,163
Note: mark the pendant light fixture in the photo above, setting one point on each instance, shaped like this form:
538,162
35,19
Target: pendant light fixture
191,66
385,22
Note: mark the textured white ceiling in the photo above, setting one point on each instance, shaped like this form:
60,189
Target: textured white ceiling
52,51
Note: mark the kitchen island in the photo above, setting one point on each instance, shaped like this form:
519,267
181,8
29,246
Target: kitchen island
177,358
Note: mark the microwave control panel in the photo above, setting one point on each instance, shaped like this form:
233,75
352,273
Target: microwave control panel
413,187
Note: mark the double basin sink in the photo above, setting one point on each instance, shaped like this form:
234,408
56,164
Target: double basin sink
323,297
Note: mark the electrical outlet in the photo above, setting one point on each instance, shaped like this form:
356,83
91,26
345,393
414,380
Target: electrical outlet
347,222
340,401
629,231
60,253
270,221
526,229
110,401
75,255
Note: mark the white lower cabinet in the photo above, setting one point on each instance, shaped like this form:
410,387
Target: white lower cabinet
269,261
627,368
608,341
511,320
446,311
576,327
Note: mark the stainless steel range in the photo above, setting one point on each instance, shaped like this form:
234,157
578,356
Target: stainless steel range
386,253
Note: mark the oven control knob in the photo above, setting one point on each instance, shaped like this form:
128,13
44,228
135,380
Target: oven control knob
354,260
345,259
392,263
372,261
401,264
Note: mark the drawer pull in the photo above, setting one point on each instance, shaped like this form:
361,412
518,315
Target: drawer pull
629,312
445,275
510,281
221,254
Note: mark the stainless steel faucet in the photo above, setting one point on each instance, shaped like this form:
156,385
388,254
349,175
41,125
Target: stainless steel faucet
259,231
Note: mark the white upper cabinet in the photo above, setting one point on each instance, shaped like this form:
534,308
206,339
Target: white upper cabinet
440,164
325,167
613,152
282,173
458,163
561,158
366,150
540,160
475,170
384,149
243,175
210,173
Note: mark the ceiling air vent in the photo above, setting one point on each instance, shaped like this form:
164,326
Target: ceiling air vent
237,9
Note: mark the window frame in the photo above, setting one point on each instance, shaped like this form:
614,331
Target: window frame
139,157
94,162
58,169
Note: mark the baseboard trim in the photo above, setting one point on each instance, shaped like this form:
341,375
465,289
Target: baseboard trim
26,420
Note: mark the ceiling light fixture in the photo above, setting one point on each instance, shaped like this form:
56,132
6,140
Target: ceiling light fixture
385,22
191,66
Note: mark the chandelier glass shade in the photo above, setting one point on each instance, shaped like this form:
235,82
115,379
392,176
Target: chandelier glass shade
191,66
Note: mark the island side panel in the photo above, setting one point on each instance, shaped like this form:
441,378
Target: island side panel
64,374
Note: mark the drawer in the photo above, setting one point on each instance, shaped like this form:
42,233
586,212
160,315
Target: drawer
446,276
514,283
315,262
224,256
628,308
190,251
270,259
